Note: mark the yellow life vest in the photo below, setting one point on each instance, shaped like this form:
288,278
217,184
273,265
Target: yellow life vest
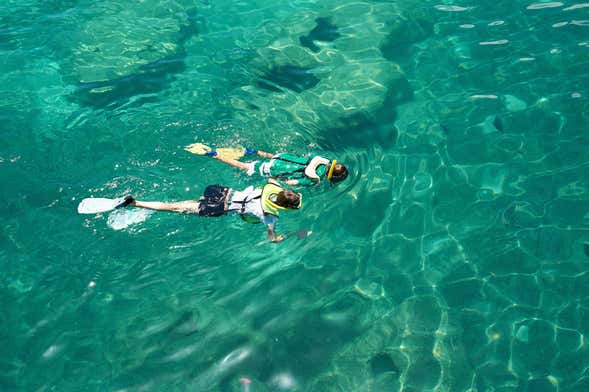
269,193
267,198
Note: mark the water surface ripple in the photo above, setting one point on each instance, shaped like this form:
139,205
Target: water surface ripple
455,258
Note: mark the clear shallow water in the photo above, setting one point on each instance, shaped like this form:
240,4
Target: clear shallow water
455,258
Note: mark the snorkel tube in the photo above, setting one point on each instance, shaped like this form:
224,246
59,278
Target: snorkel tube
330,172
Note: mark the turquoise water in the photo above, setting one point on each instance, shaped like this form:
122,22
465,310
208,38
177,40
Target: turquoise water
455,258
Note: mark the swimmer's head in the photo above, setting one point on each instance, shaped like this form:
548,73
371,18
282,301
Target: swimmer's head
289,199
340,173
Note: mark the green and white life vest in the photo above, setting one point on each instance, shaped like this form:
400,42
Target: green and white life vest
307,169
313,164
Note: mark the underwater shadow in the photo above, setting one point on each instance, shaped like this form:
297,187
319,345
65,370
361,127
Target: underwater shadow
369,127
150,79
323,31
297,79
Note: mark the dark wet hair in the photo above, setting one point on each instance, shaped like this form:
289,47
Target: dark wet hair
340,173
288,199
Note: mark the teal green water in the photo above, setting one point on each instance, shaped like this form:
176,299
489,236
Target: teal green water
455,258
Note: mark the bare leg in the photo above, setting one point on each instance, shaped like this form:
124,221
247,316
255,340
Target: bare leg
186,207
232,162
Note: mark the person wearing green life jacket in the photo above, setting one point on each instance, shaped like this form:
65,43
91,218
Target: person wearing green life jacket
255,205
288,168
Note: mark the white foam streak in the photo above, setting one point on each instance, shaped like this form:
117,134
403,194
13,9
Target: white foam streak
576,6
498,42
538,6
450,8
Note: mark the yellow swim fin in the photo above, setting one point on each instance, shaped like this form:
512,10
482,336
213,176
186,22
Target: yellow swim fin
231,152
198,148
228,152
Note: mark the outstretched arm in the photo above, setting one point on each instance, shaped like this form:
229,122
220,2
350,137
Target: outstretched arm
264,154
272,234
275,181
270,222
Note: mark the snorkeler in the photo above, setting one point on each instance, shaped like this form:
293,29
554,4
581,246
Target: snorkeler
254,205
291,169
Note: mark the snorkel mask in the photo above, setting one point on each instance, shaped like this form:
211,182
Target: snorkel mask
300,205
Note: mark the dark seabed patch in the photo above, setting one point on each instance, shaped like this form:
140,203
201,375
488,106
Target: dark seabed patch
453,258
151,79
404,33
383,363
297,79
324,31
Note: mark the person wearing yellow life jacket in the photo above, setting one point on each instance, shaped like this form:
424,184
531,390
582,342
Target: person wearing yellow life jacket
255,205
288,168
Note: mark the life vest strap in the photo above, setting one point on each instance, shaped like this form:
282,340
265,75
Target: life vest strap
244,202
286,174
